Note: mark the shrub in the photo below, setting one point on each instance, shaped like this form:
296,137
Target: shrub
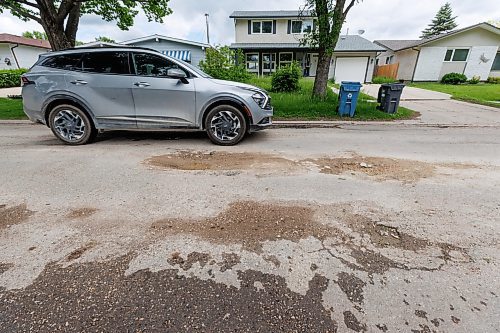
286,79
475,80
11,77
493,79
225,64
383,79
454,78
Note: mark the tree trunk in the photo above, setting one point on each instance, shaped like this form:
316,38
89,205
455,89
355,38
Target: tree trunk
321,81
53,25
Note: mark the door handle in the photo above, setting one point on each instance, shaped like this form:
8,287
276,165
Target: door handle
141,84
79,82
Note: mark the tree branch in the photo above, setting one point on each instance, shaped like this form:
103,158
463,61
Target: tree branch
346,11
21,11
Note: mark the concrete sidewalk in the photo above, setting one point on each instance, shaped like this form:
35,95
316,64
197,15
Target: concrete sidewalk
5,92
409,93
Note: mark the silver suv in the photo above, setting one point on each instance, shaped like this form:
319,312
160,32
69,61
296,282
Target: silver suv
80,92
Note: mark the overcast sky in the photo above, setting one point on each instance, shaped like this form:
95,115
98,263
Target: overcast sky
381,19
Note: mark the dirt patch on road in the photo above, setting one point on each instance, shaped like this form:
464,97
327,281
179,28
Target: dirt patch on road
76,254
380,168
5,267
250,224
222,161
13,215
80,213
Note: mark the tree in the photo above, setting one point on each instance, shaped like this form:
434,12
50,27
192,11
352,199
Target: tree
444,21
60,18
331,15
35,35
104,39
224,63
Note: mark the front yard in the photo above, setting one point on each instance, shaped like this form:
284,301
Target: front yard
11,109
302,106
481,93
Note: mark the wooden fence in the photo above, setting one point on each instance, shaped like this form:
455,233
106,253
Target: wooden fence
387,70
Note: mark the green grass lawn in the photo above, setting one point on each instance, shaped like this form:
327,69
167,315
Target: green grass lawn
481,93
11,109
301,105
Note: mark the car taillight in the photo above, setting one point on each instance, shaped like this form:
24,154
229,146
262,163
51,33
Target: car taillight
25,81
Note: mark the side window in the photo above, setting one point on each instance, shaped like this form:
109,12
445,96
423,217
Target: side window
106,63
152,65
64,61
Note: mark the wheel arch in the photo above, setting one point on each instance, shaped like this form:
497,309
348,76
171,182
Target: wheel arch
240,105
60,100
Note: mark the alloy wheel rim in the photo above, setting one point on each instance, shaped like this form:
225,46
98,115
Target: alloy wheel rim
225,125
69,125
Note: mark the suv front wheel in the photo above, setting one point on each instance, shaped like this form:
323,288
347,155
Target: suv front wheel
225,125
71,125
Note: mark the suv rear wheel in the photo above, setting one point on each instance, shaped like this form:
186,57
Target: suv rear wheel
225,125
71,125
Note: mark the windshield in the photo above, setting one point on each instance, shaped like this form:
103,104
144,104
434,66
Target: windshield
198,71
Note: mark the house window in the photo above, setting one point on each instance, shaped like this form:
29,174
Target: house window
496,63
301,27
252,62
389,60
456,55
286,58
268,62
262,27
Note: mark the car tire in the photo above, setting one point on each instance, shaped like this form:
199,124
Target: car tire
71,125
225,125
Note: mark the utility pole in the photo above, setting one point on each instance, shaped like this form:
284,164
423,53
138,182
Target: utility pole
208,29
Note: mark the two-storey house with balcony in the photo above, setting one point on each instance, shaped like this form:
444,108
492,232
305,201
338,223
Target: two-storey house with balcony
270,39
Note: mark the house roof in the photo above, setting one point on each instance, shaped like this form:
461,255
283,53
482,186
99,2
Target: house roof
398,45
171,39
98,44
350,43
270,13
8,38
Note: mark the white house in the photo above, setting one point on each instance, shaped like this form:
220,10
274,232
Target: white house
20,52
270,39
473,51
189,51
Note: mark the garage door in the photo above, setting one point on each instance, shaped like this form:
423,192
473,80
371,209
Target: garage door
351,69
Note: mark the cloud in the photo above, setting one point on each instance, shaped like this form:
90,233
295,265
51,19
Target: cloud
396,19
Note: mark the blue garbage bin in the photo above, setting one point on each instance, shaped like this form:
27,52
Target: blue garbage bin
348,98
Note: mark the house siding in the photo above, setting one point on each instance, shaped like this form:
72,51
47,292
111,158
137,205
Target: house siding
430,62
281,35
26,55
407,60
197,52
6,53
475,66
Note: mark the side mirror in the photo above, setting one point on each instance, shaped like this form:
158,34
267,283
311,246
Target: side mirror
177,73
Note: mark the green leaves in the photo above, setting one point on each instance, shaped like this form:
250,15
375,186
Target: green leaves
444,21
223,63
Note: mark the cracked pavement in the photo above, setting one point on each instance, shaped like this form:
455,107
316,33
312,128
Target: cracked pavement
361,228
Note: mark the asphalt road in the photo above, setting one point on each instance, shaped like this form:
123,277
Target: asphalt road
361,228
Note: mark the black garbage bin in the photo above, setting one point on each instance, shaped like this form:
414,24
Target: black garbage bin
389,96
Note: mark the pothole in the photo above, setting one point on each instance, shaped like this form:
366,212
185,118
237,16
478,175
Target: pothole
13,215
222,161
378,167
79,213
250,224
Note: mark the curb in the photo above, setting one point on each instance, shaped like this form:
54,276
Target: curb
325,124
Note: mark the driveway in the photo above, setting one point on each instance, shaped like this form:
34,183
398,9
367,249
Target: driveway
364,228
439,108
4,92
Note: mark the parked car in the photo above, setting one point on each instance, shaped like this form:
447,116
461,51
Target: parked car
80,92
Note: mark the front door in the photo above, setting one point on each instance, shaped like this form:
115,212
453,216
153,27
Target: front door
102,80
314,64
161,101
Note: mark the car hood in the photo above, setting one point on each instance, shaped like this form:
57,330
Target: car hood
237,85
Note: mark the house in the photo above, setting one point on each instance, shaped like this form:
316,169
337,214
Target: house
20,52
473,51
270,39
189,51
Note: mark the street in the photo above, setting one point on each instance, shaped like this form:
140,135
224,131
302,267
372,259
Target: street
358,228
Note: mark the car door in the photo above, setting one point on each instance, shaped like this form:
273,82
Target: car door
103,81
162,101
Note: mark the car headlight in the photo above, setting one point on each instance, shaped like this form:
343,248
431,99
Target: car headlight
260,99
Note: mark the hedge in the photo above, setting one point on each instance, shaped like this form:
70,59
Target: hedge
11,77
